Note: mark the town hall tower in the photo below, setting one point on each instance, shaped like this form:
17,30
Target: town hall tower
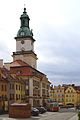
25,42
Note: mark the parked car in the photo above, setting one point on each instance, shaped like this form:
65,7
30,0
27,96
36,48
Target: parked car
41,110
3,112
34,112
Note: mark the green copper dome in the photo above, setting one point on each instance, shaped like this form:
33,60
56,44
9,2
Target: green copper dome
24,30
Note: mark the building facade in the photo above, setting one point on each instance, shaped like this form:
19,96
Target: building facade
72,95
37,90
59,93
36,83
67,95
24,83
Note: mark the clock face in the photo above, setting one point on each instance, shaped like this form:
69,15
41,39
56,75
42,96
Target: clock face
22,42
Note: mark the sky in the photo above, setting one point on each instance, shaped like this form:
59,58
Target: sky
56,29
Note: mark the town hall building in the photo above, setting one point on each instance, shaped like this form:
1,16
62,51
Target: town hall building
30,85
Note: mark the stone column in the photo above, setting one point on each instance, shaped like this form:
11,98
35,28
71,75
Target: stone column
31,91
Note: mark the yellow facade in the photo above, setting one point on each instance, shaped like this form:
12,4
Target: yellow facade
3,88
17,92
3,93
51,94
71,96
78,98
59,94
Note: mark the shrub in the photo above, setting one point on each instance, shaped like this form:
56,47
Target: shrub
79,115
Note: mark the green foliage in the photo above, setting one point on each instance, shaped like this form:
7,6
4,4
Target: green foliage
79,115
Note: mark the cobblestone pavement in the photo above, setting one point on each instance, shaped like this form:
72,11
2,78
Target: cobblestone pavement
48,116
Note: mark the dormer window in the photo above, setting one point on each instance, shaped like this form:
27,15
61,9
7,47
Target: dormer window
19,72
22,33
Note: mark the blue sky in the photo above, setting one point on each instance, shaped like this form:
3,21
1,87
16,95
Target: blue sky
56,28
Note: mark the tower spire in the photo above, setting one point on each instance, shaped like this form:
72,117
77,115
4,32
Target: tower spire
24,8
24,30
25,42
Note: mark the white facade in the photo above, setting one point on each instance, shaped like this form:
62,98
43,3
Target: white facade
28,58
25,51
24,44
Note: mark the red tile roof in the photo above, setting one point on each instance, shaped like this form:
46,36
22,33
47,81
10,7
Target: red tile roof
19,63
26,69
6,76
77,88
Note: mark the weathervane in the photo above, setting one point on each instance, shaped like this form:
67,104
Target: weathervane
24,8
24,5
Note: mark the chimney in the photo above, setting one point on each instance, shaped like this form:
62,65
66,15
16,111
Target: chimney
73,85
1,63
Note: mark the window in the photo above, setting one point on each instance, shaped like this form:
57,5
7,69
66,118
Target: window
27,81
19,87
16,96
19,96
27,92
36,83
43,85
5,88
68,91
19,71
47,86
2,88
12,86
11,96
62,95
43,91
71,90
16,87
62,99
66,95
5,97
72,100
